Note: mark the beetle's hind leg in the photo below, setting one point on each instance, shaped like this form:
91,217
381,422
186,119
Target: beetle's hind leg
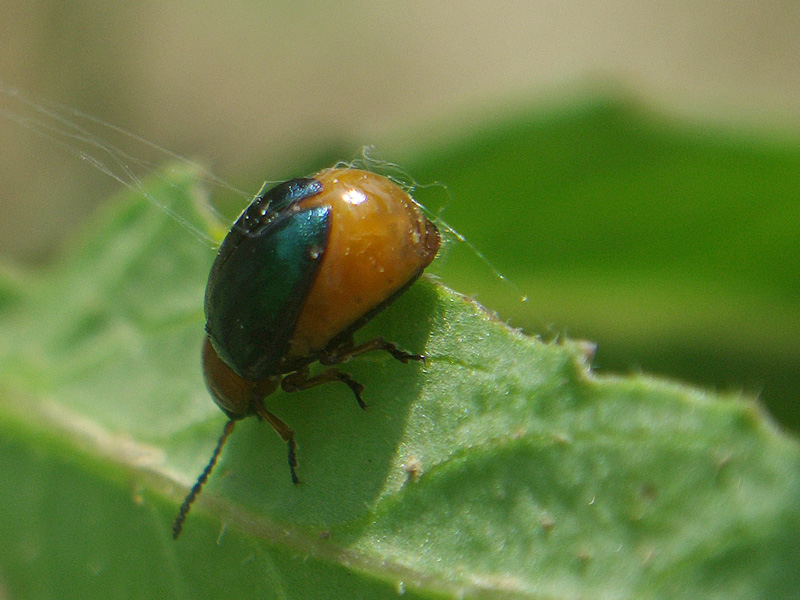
301,380
347,351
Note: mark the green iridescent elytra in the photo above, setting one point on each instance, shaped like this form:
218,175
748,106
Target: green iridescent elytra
261,277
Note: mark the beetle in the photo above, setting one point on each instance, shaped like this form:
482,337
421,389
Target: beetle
306,264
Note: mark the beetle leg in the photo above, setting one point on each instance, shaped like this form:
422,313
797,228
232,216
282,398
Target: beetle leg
347,351
287,435
300,380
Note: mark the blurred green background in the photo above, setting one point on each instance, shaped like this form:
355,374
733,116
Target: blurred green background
633,168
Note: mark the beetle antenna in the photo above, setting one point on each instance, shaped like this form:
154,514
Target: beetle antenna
177,526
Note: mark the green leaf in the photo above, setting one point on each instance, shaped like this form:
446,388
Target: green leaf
503,468
673,245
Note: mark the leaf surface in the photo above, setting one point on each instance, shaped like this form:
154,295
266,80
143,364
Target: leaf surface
503,468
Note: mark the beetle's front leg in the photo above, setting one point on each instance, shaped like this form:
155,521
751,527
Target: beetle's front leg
287,435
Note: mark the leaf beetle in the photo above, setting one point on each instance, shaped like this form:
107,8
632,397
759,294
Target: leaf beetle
307,263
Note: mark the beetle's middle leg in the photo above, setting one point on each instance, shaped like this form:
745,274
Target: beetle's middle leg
301,380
